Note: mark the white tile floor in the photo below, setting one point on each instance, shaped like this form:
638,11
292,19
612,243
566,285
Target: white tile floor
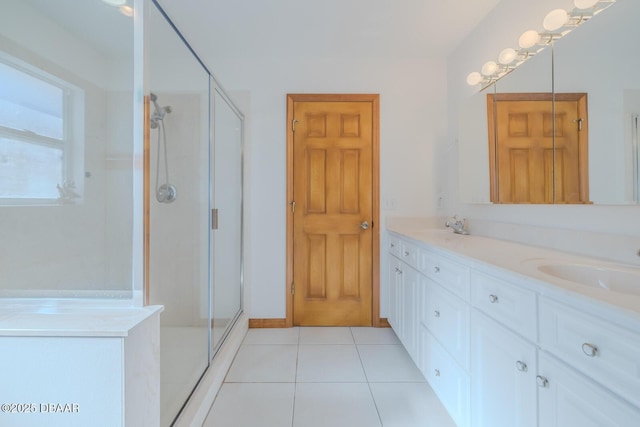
325,377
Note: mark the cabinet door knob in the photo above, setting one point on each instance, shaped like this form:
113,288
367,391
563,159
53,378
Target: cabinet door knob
589,349
542,381
493,299
521,366
393,245
437,372
436,313
406,253
436,269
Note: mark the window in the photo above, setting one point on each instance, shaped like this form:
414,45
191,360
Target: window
40,116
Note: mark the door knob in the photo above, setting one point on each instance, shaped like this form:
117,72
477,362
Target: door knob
364,225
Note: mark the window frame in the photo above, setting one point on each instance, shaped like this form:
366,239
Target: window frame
71,145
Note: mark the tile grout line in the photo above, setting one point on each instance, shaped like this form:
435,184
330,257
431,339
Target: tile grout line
295,380
375,404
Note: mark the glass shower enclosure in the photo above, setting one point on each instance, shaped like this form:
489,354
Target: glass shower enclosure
194,180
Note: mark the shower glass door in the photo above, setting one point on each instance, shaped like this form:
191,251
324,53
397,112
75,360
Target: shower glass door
178,211
227,202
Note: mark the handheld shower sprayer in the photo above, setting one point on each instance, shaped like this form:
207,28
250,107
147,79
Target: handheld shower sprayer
159,112
165,193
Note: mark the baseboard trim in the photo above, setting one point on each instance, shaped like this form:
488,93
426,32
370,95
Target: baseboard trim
282,323
267,323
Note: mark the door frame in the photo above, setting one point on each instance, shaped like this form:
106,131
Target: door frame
374,99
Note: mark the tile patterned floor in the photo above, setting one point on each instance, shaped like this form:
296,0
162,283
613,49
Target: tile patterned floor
325,377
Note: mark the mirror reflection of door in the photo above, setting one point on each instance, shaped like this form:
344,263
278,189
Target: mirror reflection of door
527,164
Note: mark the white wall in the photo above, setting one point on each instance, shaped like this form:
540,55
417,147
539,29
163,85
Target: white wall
499,30
412,121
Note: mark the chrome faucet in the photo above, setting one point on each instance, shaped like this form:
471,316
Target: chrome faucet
459,226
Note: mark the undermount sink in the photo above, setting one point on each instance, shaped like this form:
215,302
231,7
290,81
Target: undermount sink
612,279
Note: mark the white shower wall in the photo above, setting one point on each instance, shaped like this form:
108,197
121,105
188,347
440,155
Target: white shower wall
178,243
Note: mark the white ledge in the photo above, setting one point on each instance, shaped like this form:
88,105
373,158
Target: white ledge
69,318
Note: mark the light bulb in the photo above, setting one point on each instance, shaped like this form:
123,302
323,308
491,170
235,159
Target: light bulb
126,10
489,68
555,19
585,4
474,78
507,56
115,2
529,39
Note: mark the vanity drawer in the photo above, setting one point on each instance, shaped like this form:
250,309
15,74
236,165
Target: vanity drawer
447,318
450,382
409,254
394,245
449,274
603,351
507,303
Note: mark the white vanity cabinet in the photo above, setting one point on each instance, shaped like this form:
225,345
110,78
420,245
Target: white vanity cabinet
500,350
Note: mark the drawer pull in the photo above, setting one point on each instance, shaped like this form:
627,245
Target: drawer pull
406,253
589,349
542,381
437,372
493,299
521,366
393,245
436,269
436,313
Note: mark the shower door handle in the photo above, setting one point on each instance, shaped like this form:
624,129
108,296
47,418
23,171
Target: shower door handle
214,219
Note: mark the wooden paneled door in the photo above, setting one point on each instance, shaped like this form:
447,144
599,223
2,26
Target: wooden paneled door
527,163
332,171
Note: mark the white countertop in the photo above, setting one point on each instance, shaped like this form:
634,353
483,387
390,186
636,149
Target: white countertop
69,318
521,262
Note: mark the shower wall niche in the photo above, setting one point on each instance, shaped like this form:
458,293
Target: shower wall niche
194,175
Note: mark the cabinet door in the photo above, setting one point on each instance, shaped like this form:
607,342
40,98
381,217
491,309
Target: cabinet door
567,398
503,376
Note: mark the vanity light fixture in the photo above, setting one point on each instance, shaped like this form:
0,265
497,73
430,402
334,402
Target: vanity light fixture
555,20
489,68
529,39
584,4
556,24
115,2
126,10
507,56
474,78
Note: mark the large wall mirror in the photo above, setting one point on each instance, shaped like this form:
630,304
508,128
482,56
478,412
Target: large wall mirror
592,75
66,149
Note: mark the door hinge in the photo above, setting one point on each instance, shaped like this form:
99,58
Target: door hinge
293,206
293,288
214,219
579,120
293,124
